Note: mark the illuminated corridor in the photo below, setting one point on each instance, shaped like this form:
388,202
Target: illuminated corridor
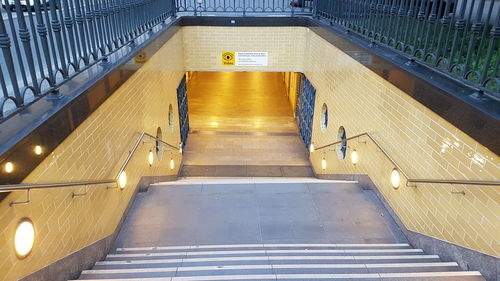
242,118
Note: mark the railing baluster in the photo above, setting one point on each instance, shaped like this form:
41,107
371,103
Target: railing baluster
9,61
68,22
64,35
25,37
37,46
431,20
476,28
493,44
484,35
78,41
52,43
80,20
445,23
16,46
56,29
42,33
91,30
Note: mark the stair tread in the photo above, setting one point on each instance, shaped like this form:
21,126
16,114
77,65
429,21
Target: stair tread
263,252
272,266
196,247
375,276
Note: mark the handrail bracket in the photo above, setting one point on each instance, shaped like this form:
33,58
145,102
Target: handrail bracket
27,201
73,194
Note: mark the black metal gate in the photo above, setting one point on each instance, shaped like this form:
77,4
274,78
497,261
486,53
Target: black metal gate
305,109
182,102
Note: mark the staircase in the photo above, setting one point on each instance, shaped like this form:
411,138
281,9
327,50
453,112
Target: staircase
397,261
265,229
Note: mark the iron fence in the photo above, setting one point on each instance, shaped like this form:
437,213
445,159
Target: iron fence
245,6
46,42
458,37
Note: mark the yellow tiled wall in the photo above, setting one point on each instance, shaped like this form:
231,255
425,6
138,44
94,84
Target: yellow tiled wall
203,46
96,150
424,144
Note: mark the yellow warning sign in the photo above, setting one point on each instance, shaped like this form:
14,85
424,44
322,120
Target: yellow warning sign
228,58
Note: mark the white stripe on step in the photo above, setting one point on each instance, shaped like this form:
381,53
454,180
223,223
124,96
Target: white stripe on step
265,258
194,247
405,275
266,266
430,274
253,252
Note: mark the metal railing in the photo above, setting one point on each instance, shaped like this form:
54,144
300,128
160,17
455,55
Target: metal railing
409,180
457,37
46,42
245,6
29,186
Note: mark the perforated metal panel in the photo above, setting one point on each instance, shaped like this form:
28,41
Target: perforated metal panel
305,109
182,101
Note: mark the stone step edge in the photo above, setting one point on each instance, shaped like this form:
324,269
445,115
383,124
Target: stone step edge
196,247
269,266
266,258
405,275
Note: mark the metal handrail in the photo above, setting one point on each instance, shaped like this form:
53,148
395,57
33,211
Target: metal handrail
398,167
29,186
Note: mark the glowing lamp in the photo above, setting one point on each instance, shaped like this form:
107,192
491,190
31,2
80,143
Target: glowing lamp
395,178
354,157
122,180
24,238
151,158
38,150
9,167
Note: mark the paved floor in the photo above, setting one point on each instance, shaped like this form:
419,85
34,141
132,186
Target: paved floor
241,118
299,211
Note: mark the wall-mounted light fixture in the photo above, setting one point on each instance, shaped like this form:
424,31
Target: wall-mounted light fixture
38,150
172,164
122,180
151,158
395,178
180,147
354,157
311,147
8,167
323,163
24,238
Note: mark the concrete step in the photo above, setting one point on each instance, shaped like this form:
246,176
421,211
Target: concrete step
270,253
276,269
414,276
381,261
264,246
245,171
256,260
